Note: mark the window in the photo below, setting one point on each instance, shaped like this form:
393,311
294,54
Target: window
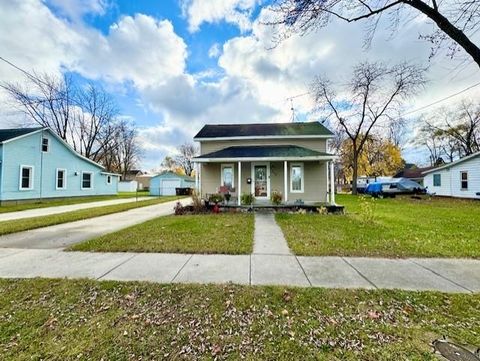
26,177
437,180
109,179
44,144
61,179
296,178
227,176
464,180
87,180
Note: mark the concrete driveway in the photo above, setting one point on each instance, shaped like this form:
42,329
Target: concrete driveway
66,234
46,211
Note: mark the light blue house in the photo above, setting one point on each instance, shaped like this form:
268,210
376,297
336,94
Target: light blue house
37,164
165,184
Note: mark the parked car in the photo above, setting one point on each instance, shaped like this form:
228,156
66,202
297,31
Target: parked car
393,187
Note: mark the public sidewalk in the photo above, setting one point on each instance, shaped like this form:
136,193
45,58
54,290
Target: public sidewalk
66,234
46,211
446,275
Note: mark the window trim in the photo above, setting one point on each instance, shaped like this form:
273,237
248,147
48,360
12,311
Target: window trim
48,144
227,165
64,179
302,180
91,180
31,180
440,178
109,179
462,180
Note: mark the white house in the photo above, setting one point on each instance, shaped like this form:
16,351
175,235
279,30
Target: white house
456,179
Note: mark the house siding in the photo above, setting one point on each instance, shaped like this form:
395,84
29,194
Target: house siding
317,144
156,182
451,182
28,151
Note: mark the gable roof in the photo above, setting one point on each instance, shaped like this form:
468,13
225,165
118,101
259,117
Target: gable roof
451,164
16,133
10,134
273,130
270,151
412,172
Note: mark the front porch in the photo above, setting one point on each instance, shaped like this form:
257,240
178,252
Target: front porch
302,180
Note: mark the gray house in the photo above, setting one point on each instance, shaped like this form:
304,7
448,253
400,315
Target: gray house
258,159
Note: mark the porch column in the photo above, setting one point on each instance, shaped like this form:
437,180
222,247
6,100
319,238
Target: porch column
239,185
200,179
285,180
332,183
196,176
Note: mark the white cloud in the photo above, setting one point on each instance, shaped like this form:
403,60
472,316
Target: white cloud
75,10
236,12
214,51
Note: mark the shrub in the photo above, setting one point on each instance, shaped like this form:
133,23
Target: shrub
276,198
197,202
227,197
179,209
247,198
215,198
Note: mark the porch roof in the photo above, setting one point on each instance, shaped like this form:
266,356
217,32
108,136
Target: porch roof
264,152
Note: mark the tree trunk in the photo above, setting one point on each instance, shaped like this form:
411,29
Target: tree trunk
355,173
448,28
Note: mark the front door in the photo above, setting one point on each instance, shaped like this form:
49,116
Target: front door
261,180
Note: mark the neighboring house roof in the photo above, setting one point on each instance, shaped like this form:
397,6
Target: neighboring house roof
9,134
412,172
280,152
272,130
16,133
182,176
451,164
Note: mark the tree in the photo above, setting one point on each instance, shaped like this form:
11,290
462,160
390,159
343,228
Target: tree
373,95
184,158
171,165
378,158
456,21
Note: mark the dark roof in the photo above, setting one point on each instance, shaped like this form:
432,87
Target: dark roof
264,152
7,134
412,172
263,130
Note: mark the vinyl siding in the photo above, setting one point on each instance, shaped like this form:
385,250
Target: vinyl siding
451,183
315,180
319,145
28,151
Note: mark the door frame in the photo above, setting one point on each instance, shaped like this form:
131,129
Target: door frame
252,187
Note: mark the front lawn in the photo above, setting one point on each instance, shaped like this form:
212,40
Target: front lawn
26,224
88,320
68,201
230,233
400,227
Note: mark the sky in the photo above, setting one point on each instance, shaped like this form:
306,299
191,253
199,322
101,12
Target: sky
175,65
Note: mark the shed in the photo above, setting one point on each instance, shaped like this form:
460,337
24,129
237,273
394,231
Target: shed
164,184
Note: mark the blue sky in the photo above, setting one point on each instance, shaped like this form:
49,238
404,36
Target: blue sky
174,65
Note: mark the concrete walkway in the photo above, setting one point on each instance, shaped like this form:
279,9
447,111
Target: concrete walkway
446,275
66,234
39,212
268,237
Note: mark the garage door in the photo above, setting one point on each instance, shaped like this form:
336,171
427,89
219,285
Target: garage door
168,187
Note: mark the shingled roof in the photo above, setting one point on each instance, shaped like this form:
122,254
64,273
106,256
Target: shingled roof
7,134
270,151
263,130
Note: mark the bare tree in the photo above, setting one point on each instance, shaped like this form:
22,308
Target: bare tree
456,21
374,94
432,139
184,159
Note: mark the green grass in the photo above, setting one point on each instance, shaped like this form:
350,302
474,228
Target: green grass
25,224
67,201
401,227
88,320
209,233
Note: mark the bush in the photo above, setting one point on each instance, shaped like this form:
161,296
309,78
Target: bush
247,199
179,209
276,198
197,202
215,198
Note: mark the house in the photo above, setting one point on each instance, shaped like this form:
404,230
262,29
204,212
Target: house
456,179
412,172
37,164
258,159
165,183
131,175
